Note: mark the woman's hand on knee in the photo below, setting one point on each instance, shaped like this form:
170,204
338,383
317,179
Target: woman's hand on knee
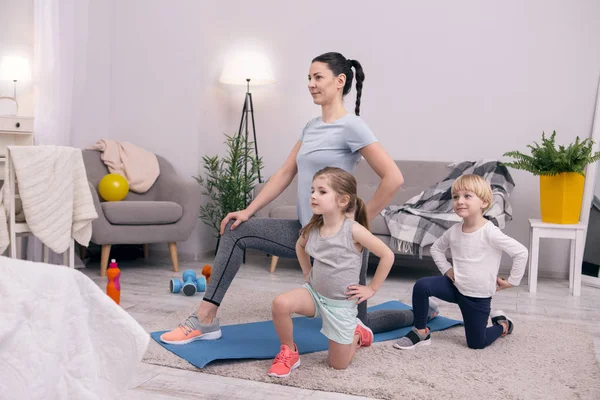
239,216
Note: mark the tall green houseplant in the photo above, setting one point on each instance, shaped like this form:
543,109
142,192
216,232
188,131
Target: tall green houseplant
561,172
228,182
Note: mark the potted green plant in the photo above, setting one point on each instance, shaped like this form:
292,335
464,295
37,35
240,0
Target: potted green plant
561,172
229,181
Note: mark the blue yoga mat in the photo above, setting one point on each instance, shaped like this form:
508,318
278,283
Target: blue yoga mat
258,340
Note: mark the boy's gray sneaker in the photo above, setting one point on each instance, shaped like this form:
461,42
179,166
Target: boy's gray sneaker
190,330
499,315
413,339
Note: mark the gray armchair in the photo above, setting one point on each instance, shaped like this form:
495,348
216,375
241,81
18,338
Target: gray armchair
167,212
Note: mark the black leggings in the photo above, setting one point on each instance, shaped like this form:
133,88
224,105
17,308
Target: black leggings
278,237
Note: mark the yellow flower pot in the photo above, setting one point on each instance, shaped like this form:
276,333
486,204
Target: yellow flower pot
560,197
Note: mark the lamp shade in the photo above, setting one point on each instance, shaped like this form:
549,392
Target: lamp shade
14,69
244,65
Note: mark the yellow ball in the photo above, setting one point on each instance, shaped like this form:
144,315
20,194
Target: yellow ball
113,187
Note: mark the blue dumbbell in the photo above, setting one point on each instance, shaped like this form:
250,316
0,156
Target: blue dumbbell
190,284
201,284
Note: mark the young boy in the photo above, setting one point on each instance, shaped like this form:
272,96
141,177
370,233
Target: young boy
472,278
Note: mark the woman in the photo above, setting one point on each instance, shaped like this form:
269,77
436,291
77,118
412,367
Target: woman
336,138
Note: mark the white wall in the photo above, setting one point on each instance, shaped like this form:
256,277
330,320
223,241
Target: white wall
16,39
444,80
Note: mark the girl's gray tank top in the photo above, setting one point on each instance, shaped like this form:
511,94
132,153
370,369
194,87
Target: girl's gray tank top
336,263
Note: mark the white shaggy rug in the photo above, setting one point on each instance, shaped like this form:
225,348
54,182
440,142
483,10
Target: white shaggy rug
538,361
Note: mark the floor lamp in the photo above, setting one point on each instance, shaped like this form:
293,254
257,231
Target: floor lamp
243,68
243,130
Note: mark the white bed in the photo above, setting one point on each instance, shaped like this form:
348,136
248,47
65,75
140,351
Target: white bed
62,337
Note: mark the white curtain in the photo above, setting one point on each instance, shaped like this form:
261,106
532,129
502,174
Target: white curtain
60,38
59,64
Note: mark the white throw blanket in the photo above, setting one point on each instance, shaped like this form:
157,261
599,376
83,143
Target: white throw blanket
138,166
56,197
62,337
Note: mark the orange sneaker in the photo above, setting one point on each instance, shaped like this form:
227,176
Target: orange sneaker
190,330
365,335
285,362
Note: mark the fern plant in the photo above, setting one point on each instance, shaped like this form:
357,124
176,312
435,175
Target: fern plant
229,181
546,159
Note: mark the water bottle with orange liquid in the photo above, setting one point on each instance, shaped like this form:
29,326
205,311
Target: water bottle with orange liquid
113,288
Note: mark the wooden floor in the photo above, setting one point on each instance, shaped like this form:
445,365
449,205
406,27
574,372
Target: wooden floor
144,282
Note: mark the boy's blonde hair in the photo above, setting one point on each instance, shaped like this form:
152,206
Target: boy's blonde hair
476,184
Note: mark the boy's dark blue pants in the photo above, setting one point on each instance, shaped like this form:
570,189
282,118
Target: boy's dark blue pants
475,311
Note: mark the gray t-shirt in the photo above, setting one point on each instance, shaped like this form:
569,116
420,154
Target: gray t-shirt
336,262
334,144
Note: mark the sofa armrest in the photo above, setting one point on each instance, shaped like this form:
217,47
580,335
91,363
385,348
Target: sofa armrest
100,226
96,199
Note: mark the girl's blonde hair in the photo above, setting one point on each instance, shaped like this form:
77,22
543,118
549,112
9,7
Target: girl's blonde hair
343,184
476,184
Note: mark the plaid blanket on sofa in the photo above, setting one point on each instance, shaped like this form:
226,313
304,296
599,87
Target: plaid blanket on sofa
424,218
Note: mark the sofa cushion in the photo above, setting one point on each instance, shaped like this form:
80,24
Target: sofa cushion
379,227
142,212
284,212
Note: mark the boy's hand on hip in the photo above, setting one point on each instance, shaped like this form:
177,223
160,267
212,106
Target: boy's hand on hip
360,292
502,284
450,274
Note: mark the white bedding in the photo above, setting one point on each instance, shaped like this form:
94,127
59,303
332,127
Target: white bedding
62,337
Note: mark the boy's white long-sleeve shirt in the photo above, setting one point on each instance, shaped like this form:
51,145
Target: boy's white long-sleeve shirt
476,258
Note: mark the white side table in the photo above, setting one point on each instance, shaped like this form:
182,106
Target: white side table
574,232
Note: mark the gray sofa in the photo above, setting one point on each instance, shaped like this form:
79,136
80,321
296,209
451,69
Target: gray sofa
166,213
418,175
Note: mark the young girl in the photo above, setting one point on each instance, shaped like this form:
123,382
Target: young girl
472,278
335,241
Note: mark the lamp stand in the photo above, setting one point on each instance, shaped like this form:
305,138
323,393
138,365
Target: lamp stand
248,109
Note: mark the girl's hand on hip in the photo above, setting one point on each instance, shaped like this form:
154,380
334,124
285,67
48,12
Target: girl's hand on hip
239,216
360,292
450,274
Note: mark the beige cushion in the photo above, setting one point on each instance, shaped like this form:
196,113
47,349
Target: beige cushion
142,212
284,212
379,227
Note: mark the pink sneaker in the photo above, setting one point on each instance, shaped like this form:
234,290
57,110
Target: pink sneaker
365,334
285,362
